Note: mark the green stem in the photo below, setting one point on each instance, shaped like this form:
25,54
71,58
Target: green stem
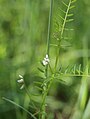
48,35
27,92
44,98
61,34
49,27
12,102
45,92
42,115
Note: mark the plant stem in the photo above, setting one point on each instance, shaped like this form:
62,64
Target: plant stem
44,98
48,35
12,102
61,34
49,27
42,115
45,92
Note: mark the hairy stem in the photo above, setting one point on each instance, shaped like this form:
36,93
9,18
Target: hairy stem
44,98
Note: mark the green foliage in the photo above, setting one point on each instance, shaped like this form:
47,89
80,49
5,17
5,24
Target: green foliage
58,86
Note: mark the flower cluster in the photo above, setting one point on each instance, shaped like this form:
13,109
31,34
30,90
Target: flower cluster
46,60
21,82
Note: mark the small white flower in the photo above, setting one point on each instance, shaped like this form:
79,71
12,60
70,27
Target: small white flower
46,60
22,86
20,76
20,81
47,56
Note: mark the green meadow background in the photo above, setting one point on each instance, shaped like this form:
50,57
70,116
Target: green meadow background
23,37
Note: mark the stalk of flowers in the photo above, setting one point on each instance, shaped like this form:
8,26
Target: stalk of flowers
21,82
46,60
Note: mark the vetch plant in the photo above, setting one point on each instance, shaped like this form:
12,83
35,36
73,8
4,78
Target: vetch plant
55,74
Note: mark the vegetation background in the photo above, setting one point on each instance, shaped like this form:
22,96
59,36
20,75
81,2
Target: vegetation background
23,34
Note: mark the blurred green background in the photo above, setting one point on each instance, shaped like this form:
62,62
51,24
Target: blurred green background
23,34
